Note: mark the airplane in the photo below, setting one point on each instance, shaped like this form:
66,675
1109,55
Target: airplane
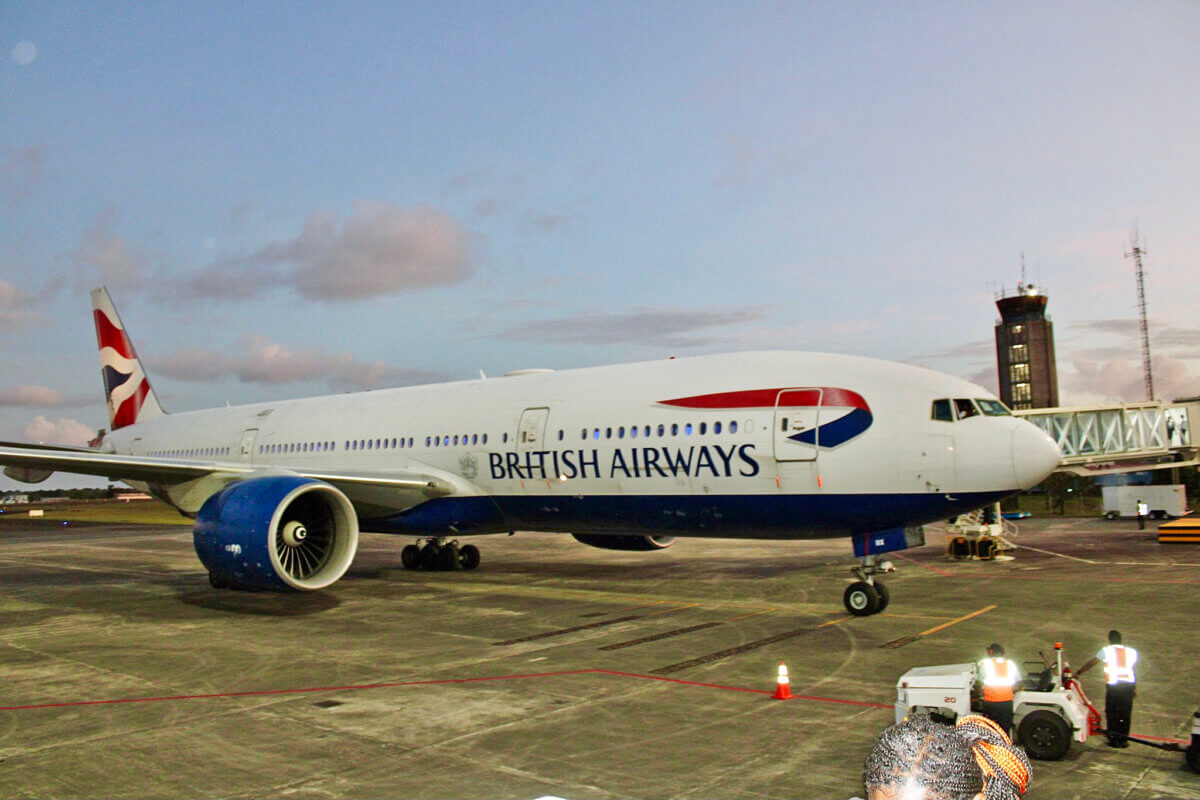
753,445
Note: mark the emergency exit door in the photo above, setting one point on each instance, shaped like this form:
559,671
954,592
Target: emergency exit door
246,449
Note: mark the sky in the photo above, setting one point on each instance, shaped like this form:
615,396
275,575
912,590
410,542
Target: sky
299,198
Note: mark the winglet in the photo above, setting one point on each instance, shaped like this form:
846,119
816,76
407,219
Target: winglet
130,398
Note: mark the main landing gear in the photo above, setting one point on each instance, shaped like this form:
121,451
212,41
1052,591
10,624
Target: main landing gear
439,554
867,596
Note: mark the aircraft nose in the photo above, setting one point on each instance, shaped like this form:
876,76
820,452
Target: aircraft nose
1034,455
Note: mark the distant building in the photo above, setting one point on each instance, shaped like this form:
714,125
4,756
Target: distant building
1025,350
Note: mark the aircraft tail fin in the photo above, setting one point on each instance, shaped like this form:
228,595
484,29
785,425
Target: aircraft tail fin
130,398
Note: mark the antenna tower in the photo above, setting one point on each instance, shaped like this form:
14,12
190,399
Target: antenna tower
1135,252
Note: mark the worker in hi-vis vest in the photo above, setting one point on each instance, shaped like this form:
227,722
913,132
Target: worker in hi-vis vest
998,675
1121,687
1143,510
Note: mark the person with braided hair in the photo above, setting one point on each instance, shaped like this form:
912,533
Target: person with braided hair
919,759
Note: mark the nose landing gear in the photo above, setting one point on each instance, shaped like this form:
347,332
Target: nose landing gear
867,596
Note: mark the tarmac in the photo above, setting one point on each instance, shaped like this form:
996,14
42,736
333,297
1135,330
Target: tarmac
555,668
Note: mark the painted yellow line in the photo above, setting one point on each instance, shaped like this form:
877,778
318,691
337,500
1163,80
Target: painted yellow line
669,610
633,608
833,622
956,621
755,614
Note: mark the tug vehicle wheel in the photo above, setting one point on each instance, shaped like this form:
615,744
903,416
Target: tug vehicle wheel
1044,735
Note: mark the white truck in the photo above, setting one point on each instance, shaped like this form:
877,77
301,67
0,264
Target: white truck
1048,712
1165,502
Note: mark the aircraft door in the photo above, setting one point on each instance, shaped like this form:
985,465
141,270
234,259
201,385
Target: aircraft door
246,449
531,433
797,417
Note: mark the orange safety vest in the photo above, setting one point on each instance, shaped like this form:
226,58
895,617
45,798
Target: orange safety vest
998,680
1118,664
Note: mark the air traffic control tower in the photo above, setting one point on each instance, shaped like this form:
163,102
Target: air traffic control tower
1025,350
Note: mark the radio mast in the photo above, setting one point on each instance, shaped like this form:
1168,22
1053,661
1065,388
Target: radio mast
1135,252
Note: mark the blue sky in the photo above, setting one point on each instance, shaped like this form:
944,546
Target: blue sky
298,198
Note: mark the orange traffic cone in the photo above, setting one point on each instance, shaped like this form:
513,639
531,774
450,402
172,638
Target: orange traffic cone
783,690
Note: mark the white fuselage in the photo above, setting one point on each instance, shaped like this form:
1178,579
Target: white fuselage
763,444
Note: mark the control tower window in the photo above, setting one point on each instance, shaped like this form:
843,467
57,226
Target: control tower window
941,411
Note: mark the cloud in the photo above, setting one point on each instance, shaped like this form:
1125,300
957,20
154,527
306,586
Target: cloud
120,266
64,431
380,250
14,313
667,327
21,173
257,359
1123,380
30,397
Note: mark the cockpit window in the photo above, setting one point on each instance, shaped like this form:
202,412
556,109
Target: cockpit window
964,408
993,408
941,411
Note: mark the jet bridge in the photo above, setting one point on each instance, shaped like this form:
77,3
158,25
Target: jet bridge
1121,437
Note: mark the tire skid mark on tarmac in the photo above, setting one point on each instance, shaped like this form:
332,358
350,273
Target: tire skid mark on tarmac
563,631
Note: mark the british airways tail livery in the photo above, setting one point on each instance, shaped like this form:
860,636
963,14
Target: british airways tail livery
762,445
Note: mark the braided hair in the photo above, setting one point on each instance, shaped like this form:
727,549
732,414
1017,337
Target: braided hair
945,762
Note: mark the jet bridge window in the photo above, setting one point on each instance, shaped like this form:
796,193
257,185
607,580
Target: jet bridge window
941,411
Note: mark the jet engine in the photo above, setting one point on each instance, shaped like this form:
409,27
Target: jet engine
610,541
276,532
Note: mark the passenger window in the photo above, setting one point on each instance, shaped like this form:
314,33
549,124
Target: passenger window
633,429
941,411
661,430
965,408
716,427
733,426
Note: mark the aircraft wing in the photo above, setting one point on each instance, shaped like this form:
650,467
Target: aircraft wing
393,490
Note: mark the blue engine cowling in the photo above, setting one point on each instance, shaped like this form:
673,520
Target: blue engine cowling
276,532
610,541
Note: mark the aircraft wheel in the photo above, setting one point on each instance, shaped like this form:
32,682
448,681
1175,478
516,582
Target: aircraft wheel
1044,735
449,558
430,556
884,596
861,599
410,556
469,556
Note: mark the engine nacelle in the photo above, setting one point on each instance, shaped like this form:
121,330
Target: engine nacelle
276,532
612,541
